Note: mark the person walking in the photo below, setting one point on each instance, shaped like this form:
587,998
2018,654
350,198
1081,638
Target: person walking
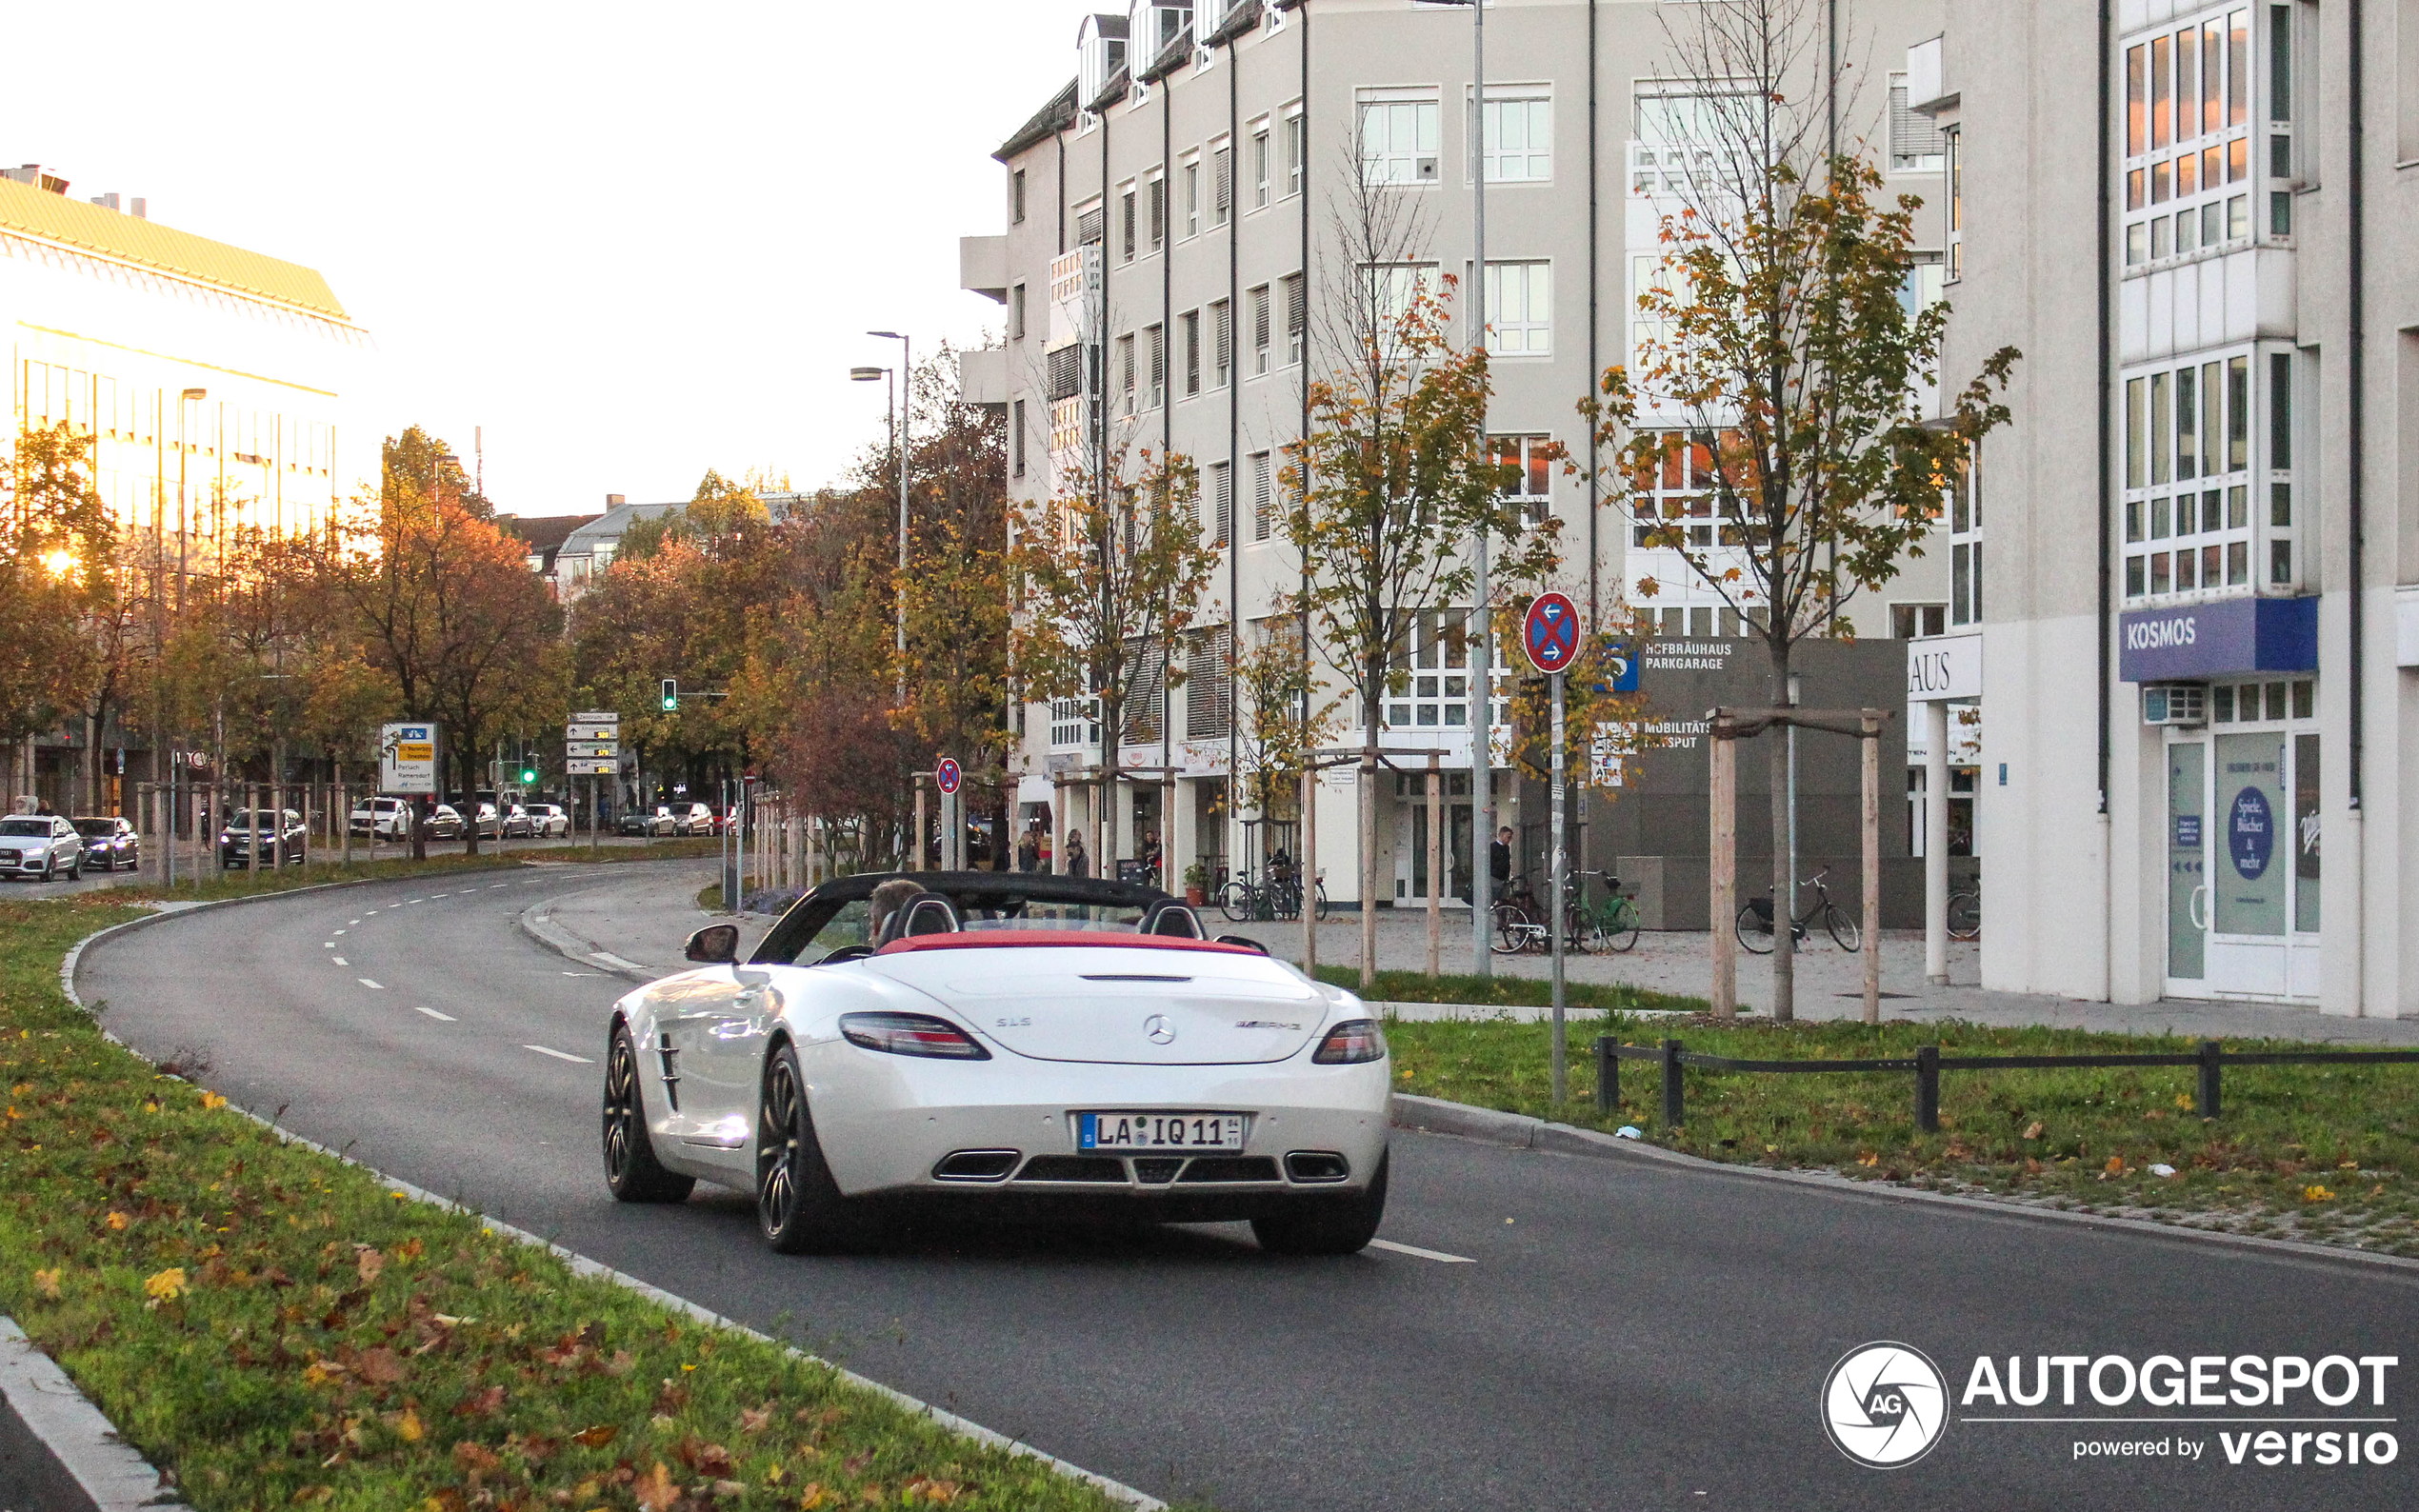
1078,863
1499,860
1028,850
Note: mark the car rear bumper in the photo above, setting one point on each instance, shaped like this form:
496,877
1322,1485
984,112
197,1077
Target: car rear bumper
892,1127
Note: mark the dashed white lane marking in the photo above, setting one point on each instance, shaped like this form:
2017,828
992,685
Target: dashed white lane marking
494,886
374,986
560,1055
583,973
340,960
434,896
441,1018
326,945
356,921
1417,1253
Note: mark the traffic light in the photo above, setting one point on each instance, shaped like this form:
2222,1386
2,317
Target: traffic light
528,773
672,696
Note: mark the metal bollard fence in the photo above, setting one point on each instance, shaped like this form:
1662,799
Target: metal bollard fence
1607,1075
2208,1079
1674,1108
1928,1088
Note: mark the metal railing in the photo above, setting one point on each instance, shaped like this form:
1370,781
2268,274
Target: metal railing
1927,1063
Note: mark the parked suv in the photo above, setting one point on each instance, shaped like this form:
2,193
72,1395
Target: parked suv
109,842
40,845
382,818
692,818
657,821
282,838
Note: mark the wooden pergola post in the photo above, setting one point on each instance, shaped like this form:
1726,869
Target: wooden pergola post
1724,751
1870,739
1435,871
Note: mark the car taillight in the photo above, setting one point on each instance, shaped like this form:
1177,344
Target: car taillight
1350,1043
910,1034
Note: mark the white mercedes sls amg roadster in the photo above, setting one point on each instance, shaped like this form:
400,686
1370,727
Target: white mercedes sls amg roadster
1031,1043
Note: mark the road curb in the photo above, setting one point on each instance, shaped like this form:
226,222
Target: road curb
581,1264
1519,1131
57,1449
537,921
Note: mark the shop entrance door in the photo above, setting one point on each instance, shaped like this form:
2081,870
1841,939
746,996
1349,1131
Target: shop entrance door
2242,854
1456,850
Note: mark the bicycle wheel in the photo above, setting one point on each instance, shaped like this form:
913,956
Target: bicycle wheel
1285,900
1512,930
1755,931
1318,899
1235,900
1844,928
1620,925
1965,916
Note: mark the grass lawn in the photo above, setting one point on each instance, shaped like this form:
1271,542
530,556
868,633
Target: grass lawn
276,1328
1506,991
2324,1153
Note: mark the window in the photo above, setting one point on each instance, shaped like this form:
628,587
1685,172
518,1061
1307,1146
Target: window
1434,666
1916,144
1017,436
1221,503
1016,313
1520,308
1965,547
1256,301
1297,316
2187,520
1089,225
1296,149
1126,370
1126,223
1191,195
1394,288
1189,334
1260,166
1154,341
1517,125
2187,169
1399,136
1528,476
1953,139
1672,504
1262,521
1221,183
1221,342
1907,621
1158,208
1209,683
1016,197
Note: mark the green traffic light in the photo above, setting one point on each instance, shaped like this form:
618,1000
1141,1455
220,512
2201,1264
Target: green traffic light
529,774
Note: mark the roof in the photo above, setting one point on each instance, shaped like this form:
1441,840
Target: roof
132,239
1174,57
1056,116
606,529
543,532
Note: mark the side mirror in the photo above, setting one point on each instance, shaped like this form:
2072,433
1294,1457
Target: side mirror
1237,939
717,944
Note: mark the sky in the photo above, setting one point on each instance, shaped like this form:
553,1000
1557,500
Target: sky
630,243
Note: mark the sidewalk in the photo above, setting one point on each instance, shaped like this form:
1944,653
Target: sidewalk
645,913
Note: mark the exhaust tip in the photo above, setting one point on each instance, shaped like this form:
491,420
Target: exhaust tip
974,1165
1317,1166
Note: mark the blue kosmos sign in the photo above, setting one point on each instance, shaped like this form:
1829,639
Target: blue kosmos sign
2250,833
2215,639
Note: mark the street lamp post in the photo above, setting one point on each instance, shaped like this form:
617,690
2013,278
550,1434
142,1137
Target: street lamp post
906,397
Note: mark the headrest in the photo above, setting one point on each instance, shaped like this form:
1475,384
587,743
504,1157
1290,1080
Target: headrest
924,913
1170,917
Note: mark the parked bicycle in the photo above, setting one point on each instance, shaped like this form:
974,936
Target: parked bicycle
1246,901
1611,926
1520,919
1756,933
1965,914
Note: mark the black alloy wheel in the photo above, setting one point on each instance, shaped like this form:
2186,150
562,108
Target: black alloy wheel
799,1206
1338,1223
630,1167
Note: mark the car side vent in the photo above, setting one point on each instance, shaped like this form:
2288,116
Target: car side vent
974,1165
1230,1168
1072,1168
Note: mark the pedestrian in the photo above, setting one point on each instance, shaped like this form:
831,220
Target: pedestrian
1078,863
1151,858
1041,833
1499,859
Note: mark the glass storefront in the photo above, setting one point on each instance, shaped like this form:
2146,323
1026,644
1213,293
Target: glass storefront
2243,849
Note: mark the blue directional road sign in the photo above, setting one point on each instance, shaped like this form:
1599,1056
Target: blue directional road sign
945,776
1550,632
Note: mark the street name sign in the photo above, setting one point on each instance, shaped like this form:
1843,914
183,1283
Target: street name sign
590,767
592,748
583,729
597,716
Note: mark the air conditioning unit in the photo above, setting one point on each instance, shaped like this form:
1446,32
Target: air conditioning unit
2175,703
1423,169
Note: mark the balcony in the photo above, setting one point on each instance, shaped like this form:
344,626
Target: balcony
982,267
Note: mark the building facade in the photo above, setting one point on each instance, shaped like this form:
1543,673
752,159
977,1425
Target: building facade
2197,221
1171,236
213,381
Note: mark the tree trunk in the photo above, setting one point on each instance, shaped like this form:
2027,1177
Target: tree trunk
1369,862
470,801
1783,884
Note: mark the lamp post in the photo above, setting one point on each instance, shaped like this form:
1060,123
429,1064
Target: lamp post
906,396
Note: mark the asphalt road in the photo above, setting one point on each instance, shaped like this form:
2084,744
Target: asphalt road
1628,1335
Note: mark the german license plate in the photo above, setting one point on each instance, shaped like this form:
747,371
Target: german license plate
1159,1131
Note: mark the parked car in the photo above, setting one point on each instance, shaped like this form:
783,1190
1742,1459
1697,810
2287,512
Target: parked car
549,821
490,823
382,818
109,844
443,822
284,839
661,820
692,818
518,825
40,845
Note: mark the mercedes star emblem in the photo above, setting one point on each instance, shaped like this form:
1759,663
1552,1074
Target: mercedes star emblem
1158,1030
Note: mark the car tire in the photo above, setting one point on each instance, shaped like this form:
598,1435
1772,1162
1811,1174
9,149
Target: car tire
799,1206
75,867
631,1170
1341,1225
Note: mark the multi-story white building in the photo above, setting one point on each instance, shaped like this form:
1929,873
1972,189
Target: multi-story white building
2201,224
1171,225
212,379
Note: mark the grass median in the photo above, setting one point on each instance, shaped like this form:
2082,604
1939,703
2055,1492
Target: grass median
276,1328
1504,991
2324,1153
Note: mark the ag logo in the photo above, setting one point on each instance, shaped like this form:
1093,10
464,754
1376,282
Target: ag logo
1884,1405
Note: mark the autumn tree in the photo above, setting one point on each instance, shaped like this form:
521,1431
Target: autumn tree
1286,715
1779,362
58,566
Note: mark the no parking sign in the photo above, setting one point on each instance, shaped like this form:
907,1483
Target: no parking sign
1549,632
945,776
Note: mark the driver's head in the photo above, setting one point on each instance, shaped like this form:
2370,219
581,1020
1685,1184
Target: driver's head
886,901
